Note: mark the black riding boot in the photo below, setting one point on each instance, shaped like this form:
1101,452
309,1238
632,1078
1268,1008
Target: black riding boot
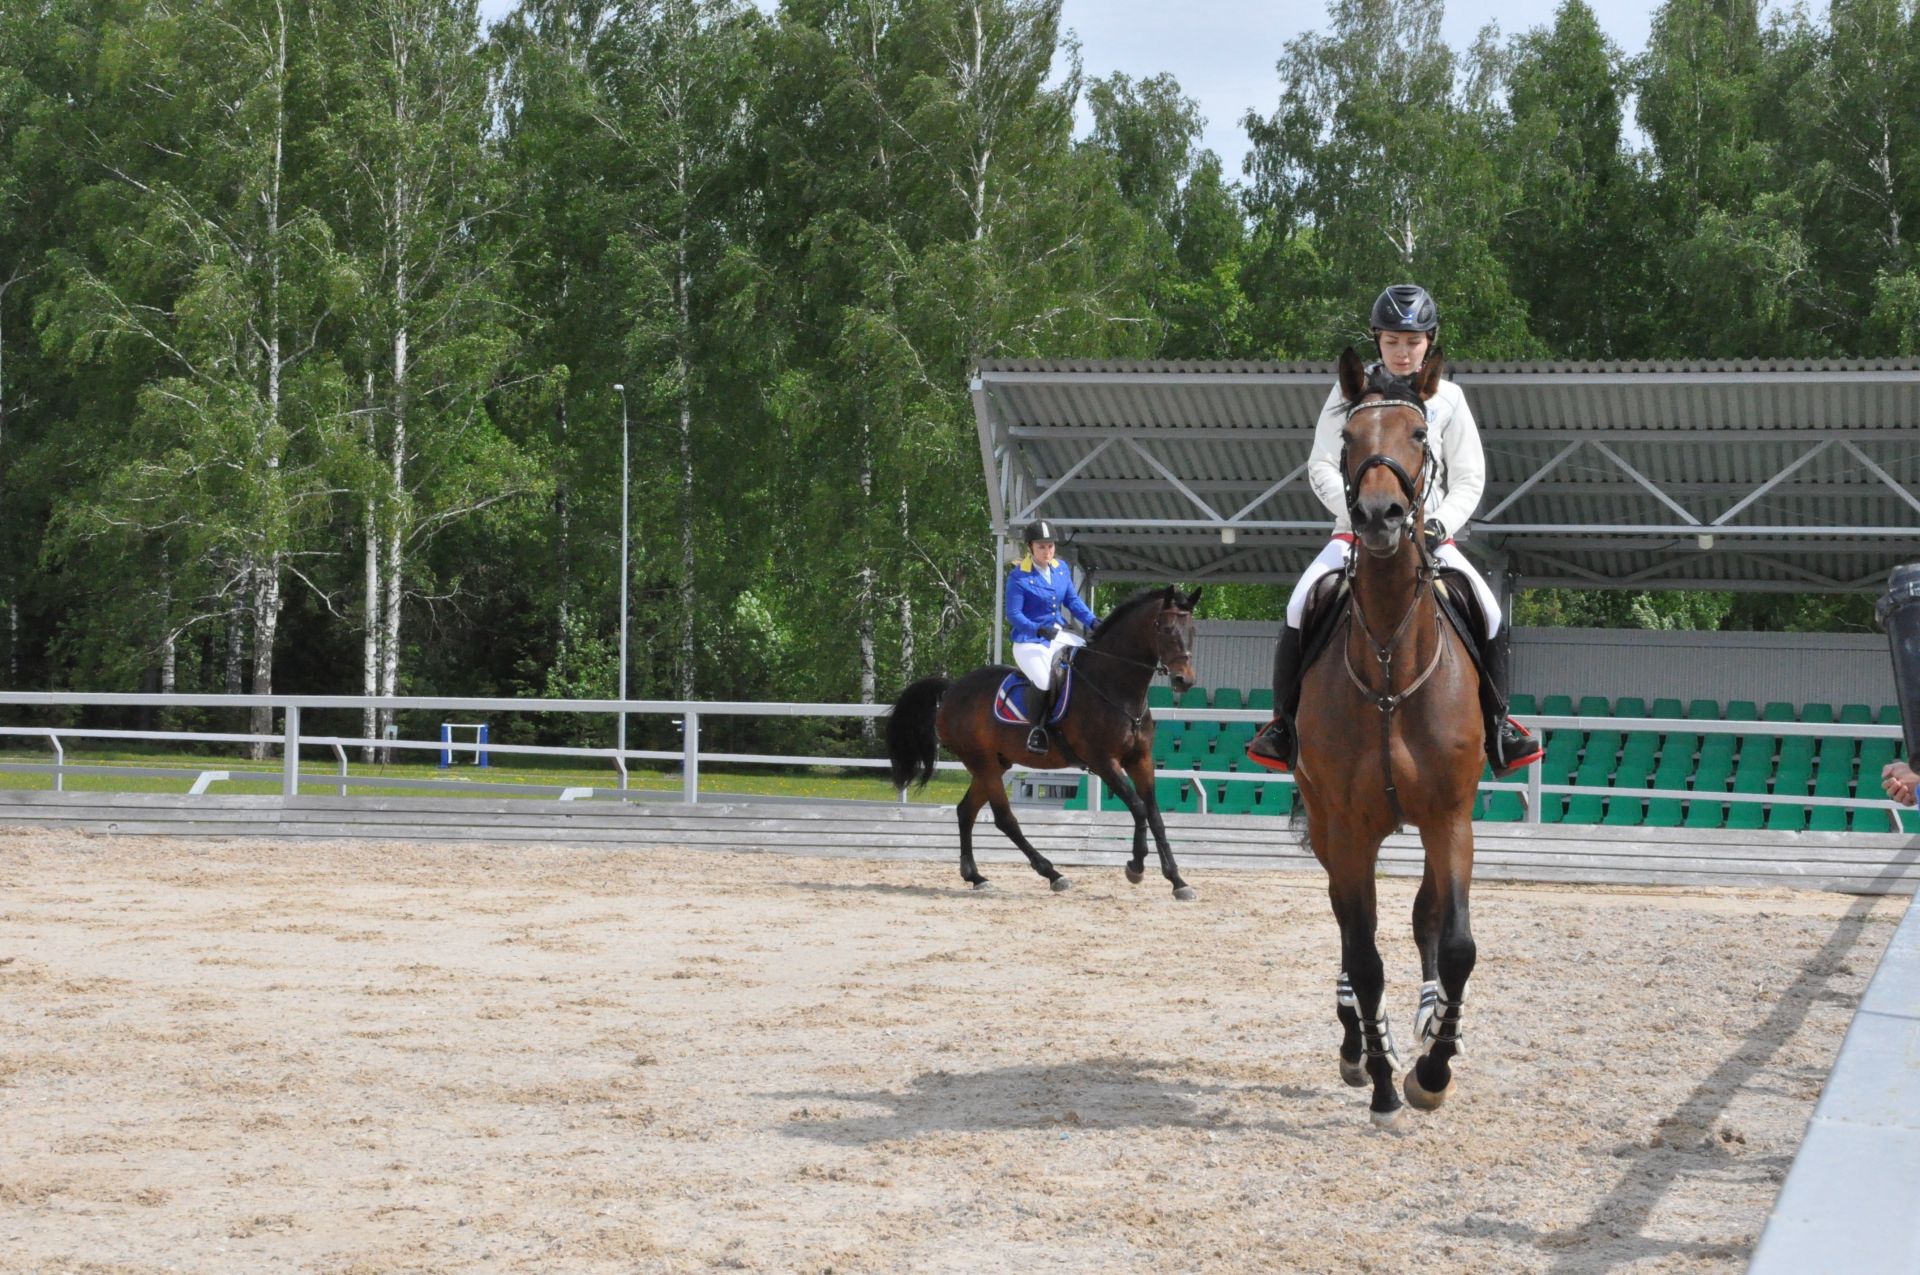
1509,745
1037,741
1275,746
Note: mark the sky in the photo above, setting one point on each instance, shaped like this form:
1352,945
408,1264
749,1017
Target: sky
1223,51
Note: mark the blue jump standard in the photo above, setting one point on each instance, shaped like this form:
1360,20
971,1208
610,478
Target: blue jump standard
1852,1199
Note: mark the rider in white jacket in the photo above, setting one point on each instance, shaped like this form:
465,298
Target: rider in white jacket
1404,322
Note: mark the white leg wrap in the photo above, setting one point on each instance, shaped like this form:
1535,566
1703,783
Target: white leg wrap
1438,1019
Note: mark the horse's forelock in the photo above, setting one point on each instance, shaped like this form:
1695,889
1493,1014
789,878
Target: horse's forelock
1384,383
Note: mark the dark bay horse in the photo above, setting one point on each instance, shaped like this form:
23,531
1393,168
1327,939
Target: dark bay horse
1107,729
1390,733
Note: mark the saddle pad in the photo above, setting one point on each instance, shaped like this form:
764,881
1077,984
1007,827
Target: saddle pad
1460,604
1322,617
1010,702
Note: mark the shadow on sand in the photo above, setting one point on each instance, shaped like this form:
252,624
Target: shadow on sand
1100,1093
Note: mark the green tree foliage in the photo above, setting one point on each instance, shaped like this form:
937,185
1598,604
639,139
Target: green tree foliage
311,314
1376,166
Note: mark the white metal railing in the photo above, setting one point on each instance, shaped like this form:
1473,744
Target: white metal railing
291,739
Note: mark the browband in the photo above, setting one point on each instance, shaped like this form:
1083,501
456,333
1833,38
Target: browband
1387,402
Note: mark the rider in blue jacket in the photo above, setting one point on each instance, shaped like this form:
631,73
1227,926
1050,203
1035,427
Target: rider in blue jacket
1040,595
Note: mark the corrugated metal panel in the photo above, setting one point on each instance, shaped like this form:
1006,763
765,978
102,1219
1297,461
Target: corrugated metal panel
1706,433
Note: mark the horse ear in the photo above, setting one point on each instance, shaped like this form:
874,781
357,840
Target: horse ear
1193,599
1426,382
1353,375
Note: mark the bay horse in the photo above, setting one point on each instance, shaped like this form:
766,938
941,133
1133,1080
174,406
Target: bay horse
1107,729
1390,733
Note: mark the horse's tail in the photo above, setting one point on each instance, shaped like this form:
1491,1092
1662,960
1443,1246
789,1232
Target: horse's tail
912,745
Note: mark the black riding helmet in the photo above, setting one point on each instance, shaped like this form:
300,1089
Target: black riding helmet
1040,529
1405,307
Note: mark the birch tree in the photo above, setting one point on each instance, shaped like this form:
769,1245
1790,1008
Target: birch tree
423,188
228,282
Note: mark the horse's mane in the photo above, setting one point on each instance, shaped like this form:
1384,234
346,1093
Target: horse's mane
1120,612
1381,381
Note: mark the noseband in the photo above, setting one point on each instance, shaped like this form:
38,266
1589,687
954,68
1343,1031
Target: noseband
1429,466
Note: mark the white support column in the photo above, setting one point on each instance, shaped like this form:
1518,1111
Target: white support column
290,754
690,760
998,655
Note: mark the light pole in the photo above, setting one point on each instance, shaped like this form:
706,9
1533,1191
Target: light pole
621,735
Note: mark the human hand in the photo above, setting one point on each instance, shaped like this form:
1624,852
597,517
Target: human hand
1899,781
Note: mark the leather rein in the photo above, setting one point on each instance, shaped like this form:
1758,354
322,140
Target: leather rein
1155,668
1388,700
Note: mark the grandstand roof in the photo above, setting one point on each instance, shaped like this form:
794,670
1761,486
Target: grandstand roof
1799,476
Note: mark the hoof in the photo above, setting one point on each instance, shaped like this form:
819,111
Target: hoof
1061,885
1186,894
1135,875
983,884
1354,1073
1393,1121
1419,1095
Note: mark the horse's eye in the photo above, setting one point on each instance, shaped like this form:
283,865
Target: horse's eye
1346,438
1420,435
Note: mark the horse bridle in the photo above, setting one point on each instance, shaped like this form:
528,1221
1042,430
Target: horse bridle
1386,700
1158,666
1429,469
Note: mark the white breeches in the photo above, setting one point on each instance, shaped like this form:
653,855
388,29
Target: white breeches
1035,659
1334,557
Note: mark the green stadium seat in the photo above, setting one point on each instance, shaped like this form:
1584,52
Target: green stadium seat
1874,756
1563,753
1742,710
1889,715
1712,774
1233,739
1635,771
1194,697
1261,699
1751,775
1238,798
1792,778
1704,710
1630,706
1521,704
1159,696
1177,795
1596,767
1505,807
1166,744
1227,697
1779,711
1217,762
1666,708
1594,706
1557,706
1816,713
1676,767
1276,799
1855,715
1199,737
1836,780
